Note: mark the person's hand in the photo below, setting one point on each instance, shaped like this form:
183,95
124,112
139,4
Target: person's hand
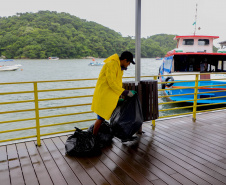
131,93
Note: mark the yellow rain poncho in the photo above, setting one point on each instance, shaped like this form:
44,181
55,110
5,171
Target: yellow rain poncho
108,88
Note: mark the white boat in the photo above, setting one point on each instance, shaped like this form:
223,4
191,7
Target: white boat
158,58
96,64
53,58
9,67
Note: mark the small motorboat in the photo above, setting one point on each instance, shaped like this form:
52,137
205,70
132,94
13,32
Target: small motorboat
96,64
9,67
53,58
93,63
13,67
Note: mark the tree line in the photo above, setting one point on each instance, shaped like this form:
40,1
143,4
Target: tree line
49,33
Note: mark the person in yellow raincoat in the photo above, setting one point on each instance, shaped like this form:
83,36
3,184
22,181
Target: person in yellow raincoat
109,87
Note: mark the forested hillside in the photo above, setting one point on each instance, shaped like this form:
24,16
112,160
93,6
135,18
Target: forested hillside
44,34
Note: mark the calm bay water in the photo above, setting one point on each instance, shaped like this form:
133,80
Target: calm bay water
38,70
43,70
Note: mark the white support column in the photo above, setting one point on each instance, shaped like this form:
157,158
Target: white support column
138,41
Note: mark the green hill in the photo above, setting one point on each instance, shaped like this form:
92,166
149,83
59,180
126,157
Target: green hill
44,34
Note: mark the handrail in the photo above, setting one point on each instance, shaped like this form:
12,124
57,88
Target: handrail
40,105
196,93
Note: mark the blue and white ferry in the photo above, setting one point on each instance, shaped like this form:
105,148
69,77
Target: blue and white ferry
194,55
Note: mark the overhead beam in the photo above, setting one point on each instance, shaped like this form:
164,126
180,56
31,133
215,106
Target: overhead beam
138,41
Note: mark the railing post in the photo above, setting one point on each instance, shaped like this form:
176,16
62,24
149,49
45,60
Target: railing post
37,113
195,97
153,121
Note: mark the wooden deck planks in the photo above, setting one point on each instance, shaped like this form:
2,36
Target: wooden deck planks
52,168
195,140
39,166
179,165
133,173
62,165
178,151
133,163
4,170
204,147
116,170
107,174
82,175
26,165
187,154
15,171
90,169
143,158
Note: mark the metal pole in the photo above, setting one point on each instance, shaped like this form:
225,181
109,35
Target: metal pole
37,114
138,41
195,97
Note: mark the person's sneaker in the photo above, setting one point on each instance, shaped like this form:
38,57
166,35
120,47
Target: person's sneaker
129,139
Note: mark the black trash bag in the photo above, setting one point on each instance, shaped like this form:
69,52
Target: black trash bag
82,143
127,118
104,135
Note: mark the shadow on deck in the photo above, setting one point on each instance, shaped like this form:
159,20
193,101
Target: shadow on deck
178,151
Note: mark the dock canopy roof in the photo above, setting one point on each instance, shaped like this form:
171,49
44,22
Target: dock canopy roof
222,43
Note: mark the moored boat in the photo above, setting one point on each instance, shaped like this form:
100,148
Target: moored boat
93,63
53,58
9,67
194,55
96,64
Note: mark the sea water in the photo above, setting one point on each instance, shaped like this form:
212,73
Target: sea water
46,70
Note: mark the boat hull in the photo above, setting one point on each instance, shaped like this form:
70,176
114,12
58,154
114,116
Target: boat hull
9,68
205,92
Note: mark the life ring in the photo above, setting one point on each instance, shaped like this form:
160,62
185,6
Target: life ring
171,80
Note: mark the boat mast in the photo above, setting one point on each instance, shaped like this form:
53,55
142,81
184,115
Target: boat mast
195,19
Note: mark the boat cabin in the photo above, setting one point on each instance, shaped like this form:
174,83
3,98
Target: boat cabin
194,54
195,43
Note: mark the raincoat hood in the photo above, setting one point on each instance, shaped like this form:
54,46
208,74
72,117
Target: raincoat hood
112,57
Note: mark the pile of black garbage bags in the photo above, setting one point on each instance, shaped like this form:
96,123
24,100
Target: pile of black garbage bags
125,121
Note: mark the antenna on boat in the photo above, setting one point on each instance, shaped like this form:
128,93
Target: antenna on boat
195,18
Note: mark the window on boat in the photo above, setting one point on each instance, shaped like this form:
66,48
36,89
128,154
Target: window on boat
219,66
188,41
203,42
224,66
199,63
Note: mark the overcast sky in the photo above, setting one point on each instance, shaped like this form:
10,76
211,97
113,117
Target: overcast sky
158,16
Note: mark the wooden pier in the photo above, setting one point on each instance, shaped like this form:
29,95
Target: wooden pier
178,151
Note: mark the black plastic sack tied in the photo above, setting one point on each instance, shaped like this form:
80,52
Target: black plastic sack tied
127,118
82,143
104,135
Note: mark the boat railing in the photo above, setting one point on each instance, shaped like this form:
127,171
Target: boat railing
38,109
195,94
